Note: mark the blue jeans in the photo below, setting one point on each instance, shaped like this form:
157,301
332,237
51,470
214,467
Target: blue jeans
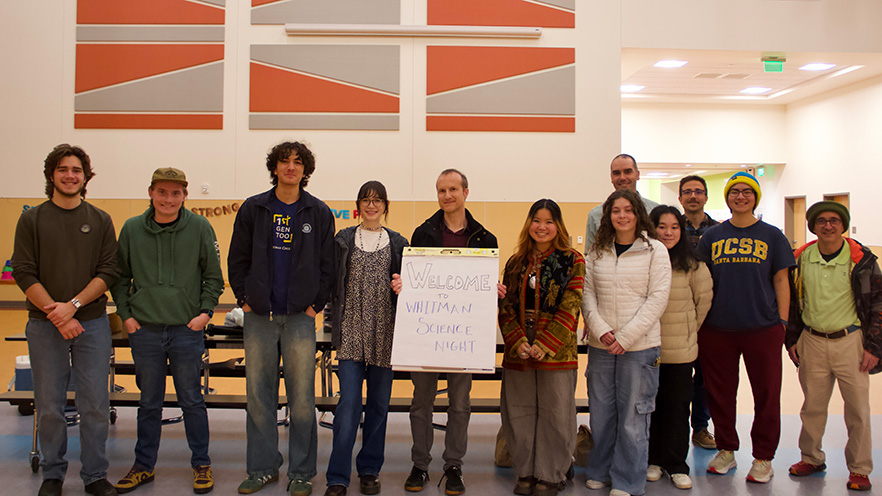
621,393
53,359
348,415
293,337
156,349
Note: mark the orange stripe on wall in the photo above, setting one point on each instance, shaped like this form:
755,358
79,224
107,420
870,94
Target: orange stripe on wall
495,123
104,65
274,90
497,13
148,121
450,67
147,12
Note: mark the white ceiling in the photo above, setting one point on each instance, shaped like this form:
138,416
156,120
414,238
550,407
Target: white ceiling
714,76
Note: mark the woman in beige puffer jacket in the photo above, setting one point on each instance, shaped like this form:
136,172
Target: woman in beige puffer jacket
688,304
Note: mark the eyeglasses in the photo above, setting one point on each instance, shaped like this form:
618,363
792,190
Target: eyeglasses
834,222
746,192
365,202
690,192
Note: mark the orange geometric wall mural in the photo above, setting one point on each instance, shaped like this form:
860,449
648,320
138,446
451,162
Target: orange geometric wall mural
149,64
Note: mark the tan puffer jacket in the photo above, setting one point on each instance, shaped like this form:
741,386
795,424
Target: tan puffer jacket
688,304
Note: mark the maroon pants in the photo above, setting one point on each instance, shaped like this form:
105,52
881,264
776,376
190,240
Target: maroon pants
720,353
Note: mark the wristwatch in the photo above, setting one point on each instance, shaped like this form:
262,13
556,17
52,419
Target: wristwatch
208,311
75,302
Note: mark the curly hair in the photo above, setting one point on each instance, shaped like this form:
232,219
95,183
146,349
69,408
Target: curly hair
606,233
683,256
526,244
282,151
54,158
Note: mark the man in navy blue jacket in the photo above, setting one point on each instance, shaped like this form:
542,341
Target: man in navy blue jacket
281,268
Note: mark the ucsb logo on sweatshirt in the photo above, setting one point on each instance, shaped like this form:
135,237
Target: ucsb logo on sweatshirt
739,250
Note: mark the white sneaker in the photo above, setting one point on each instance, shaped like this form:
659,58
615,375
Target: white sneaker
653,473
618,492
681,481
593,484
722,462
760,471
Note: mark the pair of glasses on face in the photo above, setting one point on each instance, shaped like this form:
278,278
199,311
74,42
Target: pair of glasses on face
834,222
366,202
690,192
747,193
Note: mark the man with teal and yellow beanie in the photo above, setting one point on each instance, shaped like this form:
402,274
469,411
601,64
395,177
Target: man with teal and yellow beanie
749,262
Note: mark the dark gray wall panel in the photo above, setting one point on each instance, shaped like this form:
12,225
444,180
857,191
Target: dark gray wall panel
307,121
374,66
552,92
191,90
329,12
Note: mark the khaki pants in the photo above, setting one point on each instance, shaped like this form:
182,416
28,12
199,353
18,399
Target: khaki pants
539,419
821,362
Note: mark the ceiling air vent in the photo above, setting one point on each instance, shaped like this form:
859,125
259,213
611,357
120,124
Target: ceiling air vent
707,75
736,76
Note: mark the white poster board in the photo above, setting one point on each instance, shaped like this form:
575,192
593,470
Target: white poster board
446,315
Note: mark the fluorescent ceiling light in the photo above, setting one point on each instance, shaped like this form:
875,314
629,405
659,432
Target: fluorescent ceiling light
688,165
656,174
630,88
846,70
755,90
670,64
817,66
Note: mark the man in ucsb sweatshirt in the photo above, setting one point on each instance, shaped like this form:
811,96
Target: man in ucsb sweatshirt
170,282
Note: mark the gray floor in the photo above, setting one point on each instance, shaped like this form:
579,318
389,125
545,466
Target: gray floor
173,475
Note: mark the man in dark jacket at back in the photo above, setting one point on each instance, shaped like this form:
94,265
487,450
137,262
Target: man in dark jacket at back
281,269
451,227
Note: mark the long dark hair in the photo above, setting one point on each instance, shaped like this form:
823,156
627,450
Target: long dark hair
682,255
606,233
525,247
373,188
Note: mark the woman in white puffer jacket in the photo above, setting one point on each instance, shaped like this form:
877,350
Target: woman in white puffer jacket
627,281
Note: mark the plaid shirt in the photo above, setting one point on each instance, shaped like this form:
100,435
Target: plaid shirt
694,233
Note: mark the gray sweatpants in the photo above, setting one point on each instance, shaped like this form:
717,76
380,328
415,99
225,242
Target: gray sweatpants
456,439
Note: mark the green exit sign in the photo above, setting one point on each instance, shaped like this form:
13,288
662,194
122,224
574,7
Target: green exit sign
760,172
773,66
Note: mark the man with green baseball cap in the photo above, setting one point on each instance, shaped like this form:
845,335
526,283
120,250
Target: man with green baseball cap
837,291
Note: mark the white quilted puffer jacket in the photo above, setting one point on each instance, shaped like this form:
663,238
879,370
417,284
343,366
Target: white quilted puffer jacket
627,294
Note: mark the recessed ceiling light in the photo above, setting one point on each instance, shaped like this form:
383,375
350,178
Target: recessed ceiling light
743,165
670,64
755,90
630,88
688,165
656,174
818,66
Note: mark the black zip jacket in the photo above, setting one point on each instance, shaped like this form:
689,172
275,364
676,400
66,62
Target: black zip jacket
250,262
429,233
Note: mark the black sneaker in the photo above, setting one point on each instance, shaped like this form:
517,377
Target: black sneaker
416,481
454,484
51,487
370,484
101,487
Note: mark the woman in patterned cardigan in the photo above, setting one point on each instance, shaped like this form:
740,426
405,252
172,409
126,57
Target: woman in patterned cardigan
538,318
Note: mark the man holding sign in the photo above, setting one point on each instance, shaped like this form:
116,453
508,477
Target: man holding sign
450,227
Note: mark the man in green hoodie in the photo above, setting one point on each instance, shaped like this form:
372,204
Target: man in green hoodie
170,282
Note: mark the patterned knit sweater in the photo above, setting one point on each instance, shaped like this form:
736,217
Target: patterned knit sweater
556,301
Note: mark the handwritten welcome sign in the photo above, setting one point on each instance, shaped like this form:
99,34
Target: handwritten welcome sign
446,316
